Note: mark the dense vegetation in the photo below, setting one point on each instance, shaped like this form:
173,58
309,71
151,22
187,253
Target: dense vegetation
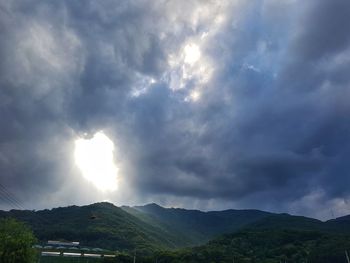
157,234
263,246
98,225
270,246
107,226
252,246
197,226
16,241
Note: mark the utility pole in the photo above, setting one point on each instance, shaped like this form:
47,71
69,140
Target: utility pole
135,256
347,256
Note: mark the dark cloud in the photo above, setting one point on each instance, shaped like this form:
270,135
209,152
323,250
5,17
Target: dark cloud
261,120
324,31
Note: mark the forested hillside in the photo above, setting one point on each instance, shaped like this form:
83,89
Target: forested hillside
244,234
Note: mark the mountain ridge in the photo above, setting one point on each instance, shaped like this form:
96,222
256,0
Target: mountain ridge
151,227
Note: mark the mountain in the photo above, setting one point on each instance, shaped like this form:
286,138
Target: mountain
266,246
146,227
286,221
340,224
152,227
98,225
197,227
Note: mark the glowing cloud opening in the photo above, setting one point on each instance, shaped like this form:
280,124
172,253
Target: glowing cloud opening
192,53
94,158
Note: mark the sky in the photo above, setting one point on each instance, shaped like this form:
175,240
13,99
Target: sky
199,104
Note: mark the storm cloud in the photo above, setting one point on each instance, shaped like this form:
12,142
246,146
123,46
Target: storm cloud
210,104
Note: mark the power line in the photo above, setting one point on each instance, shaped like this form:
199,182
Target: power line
11,198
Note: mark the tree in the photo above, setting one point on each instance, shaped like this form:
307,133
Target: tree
16,241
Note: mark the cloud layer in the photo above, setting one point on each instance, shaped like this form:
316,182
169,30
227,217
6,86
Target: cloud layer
211,105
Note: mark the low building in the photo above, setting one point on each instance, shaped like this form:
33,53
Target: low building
62,243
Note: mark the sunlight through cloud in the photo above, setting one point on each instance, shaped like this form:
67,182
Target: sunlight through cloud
94,158
192,53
